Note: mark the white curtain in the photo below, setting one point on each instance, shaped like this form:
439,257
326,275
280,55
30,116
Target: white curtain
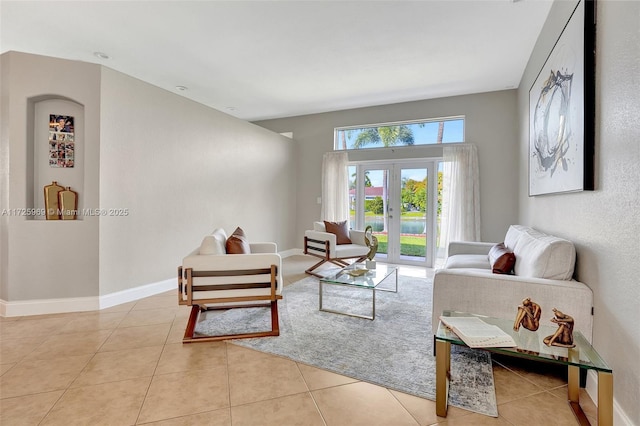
460,220
335,186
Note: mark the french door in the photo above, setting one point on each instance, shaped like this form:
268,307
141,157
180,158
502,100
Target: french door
399,201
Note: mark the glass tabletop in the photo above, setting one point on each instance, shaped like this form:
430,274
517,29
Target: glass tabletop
357,275
531,344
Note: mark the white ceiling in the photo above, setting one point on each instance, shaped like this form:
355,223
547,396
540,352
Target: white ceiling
268,59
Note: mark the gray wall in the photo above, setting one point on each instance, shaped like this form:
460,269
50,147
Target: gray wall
46,259
180,168
605,223
491,124
183,169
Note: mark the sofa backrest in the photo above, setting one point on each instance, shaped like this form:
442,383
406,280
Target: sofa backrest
540,255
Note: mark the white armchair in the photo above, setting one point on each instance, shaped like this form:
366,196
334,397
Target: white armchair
322,244
209,278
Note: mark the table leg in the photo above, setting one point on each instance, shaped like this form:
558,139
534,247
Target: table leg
605,399
443,368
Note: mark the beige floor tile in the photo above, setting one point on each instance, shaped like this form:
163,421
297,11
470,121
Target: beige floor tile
424,410
319,379
237,354
14,350
6,367
147,317
220,417
116,403
158,301
474,419
180,394
119,365
33,327
294,410
510,386
361,404
176,334
544,375
59,345
94,321
178,357
261,376
33,376
27,410
136,337
538,409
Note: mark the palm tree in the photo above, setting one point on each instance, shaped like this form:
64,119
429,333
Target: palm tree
388,136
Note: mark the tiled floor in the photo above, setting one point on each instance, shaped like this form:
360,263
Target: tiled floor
126,365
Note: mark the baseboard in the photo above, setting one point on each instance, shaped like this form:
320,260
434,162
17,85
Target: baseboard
291,252
137,293
81,304
620,418
21,308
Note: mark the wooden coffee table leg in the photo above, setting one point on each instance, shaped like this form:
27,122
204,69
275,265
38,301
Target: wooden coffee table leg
443,367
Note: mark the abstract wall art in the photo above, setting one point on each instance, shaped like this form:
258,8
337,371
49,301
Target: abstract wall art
562,110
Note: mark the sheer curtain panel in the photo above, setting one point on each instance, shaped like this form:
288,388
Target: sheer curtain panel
335,186
460,195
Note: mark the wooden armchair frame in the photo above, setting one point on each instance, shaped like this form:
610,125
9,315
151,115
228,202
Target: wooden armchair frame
324,253
188,295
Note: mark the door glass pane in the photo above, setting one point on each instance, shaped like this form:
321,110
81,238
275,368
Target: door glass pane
413,218
376,200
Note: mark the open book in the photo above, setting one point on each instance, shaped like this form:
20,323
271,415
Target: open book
477,333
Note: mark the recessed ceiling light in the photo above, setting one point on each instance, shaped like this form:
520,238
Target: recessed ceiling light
230,108
181,88
101,55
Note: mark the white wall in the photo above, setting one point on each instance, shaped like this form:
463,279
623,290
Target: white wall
179,168
605,223
491,124
182,169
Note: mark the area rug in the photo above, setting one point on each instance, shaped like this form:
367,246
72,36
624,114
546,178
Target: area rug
395,350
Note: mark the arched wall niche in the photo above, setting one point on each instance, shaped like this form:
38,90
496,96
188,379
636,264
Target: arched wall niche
40,168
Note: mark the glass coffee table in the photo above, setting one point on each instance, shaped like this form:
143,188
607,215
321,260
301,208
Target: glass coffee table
355,275
531,346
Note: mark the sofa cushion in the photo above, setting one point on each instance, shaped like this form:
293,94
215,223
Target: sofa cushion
513,234
341,231
319,226
211,245
501,259
237,243
544,256
463,261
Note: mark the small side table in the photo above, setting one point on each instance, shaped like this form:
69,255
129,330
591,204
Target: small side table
531,346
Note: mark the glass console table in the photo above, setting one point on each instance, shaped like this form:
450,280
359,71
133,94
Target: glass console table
531,346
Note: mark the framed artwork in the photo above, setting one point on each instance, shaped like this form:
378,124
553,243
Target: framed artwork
562,110
61,141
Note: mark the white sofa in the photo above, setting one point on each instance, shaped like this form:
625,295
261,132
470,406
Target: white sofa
543,271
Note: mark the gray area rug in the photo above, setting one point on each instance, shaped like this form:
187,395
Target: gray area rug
395,350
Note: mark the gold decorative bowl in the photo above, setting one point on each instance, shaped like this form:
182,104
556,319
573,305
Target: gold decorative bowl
357,272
